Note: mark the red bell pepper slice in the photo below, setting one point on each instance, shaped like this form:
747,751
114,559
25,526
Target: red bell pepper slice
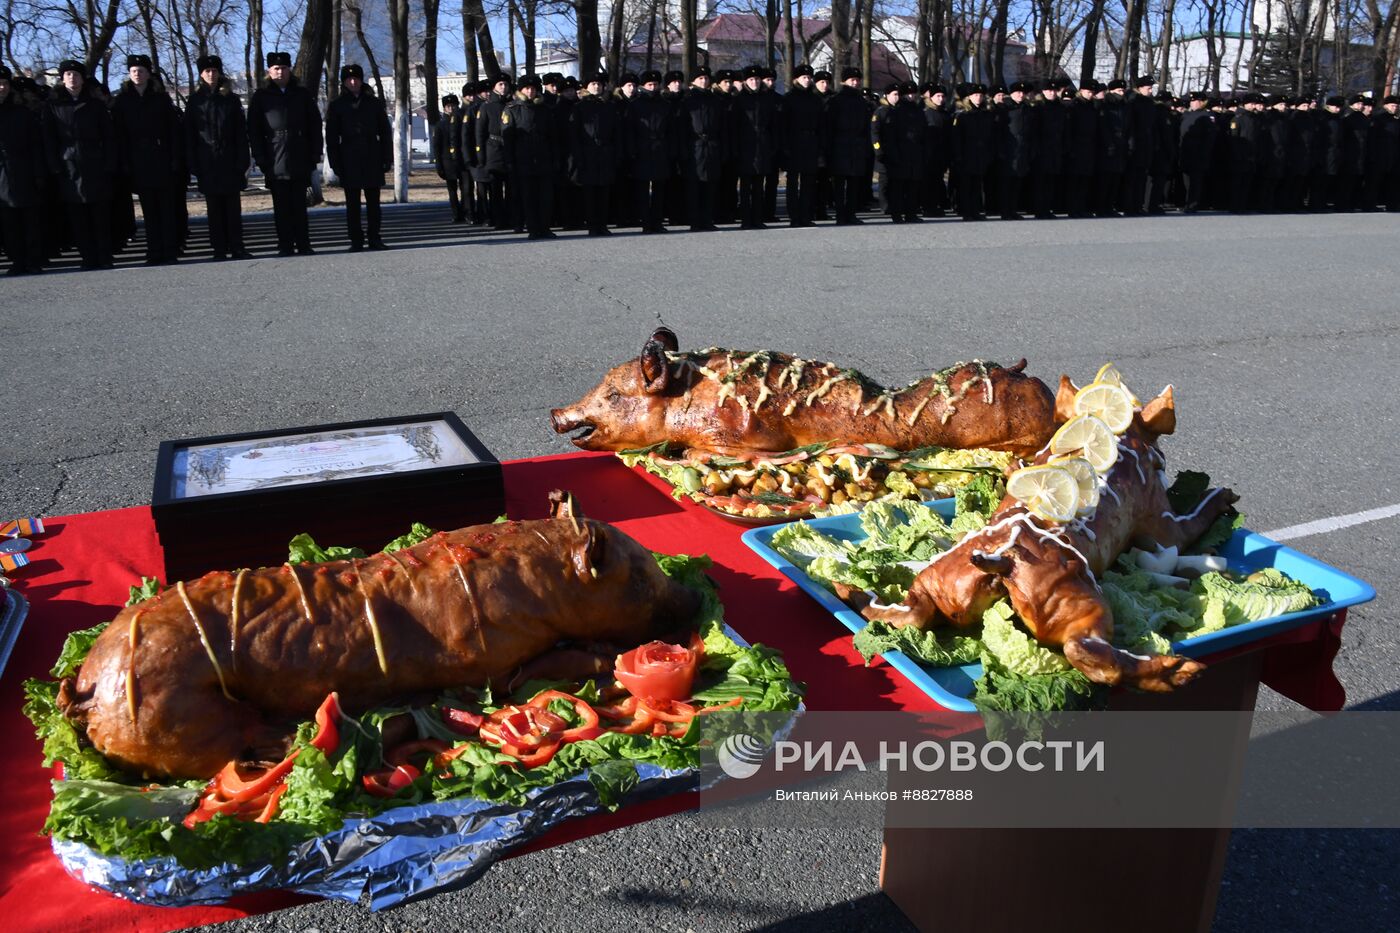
404,753
387,782
462,721
327,737
587,727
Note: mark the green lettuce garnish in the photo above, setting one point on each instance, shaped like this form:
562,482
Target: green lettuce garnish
936,649
1014,650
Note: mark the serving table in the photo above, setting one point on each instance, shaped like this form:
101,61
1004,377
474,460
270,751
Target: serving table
83,565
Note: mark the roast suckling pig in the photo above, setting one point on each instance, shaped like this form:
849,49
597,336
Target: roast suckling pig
221,667
1048,570
735,402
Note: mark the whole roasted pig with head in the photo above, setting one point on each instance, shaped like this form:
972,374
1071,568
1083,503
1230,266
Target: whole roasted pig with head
221,667
737,402
1048,570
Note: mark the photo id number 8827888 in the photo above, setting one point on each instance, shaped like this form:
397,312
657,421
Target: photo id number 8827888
936,794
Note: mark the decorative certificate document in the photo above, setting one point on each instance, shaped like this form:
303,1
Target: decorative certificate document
296,459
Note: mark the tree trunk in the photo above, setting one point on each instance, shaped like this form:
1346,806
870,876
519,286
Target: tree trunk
357,15
770,31
789,45
511,16
1092,22
481,30
403,116
867,17
841,37
430,65
589,42
469,48
315,36
690,42
617,62
998,63
922,46
100,33
333,54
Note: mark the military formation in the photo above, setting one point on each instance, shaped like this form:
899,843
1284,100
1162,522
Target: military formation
663,151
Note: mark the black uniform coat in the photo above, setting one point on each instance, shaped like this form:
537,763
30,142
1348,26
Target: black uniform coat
358,139
1082,138
703,134
649,135
22,165
802,129
1197,136
595,140
150,146
1164,151
1141,135
216,139
846,132
756,122
973,129
284,131
899,133
1014,139
1383,149
1273,146
1112,155
1244,140
1302,143
490,144
1355,130
80,146
527,132
445,136
1050,131
938,140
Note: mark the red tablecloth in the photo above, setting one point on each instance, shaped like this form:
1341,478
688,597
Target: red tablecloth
83,565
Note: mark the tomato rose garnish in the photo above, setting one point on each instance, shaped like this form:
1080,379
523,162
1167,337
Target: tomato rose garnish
657,671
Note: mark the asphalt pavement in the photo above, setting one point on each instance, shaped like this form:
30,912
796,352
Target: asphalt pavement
1279,333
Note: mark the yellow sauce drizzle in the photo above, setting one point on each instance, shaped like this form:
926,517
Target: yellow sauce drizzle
301,594
412,584
233,619
373,622
203,638
131,669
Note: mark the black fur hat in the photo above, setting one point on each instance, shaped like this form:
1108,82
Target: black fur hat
139,61
352,71
279,58
205,62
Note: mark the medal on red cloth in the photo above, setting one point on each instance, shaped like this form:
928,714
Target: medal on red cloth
12,562
22,527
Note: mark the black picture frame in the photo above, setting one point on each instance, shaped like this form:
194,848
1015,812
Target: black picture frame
251,527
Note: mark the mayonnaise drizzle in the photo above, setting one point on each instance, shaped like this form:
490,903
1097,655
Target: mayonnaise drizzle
373,622
412,584
1194,512
301,594
233,618
131,666
203,639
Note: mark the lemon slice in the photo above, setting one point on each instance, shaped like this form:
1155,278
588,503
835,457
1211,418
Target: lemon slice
1051,492
1084,474
1089,437
1110,374
1107,401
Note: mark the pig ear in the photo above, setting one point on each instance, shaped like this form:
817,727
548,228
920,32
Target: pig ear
667,338
656,370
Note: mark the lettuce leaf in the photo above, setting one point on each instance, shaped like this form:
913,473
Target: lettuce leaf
60,740
1143,610
303,549
417,534
149,587
931,647
800,543
1262,595
912,530
1219,533
1016,651
75,650
1187,490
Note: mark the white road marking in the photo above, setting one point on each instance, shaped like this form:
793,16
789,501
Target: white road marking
1336,523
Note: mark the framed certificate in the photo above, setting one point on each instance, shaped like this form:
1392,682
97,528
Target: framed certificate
320,456
235,500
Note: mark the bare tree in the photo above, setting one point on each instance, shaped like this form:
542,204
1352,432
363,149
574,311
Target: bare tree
430,63
403,126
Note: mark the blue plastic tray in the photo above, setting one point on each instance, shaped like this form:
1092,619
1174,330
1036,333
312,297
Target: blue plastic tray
951,686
